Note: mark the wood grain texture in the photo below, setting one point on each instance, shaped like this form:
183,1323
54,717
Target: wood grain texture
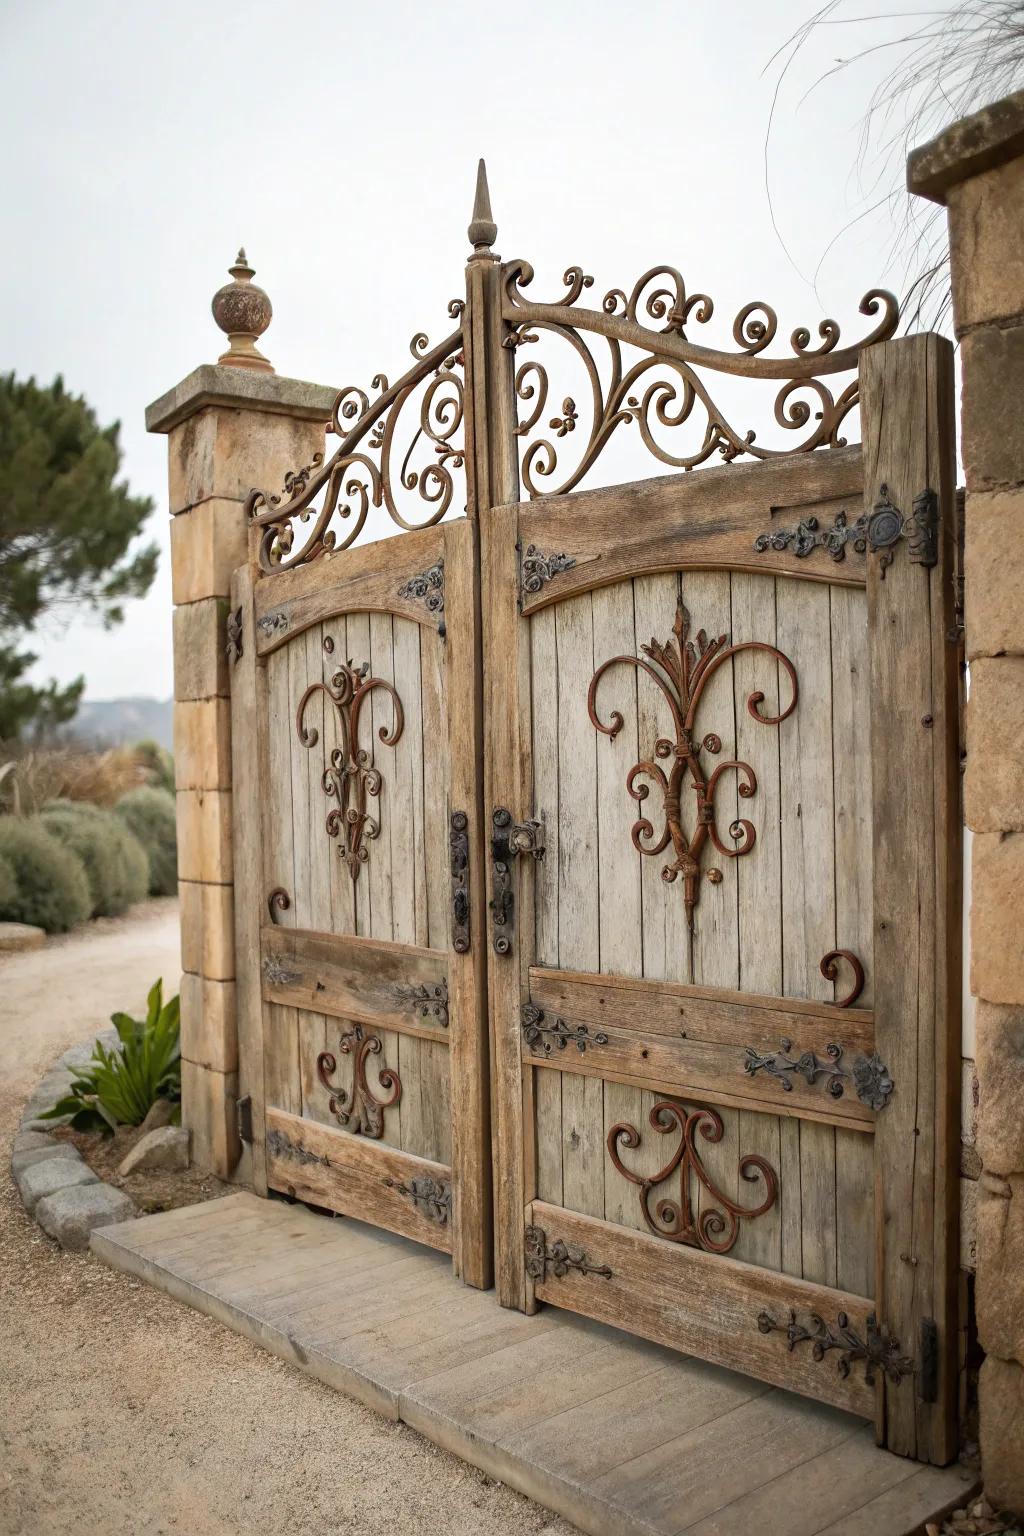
906,394
368,980
350,1174
702,1303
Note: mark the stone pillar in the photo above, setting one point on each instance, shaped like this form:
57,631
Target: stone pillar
976,168
230,426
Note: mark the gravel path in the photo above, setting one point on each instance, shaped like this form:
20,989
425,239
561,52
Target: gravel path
125,1414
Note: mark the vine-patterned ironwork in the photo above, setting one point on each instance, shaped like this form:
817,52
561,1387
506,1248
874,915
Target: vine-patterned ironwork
560,1258
430,1000
360,474
879,531
538,568
359,1104
427,587
349,778
458,854
542,1037
234,630
879,1350
714,1230
432,1197
870,1076
681,672
675,390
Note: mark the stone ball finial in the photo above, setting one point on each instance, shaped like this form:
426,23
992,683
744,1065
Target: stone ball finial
243,311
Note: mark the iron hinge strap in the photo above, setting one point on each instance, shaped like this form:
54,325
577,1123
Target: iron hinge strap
509,839
243,1112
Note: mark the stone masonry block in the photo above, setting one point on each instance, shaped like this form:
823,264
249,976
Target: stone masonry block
994,782
1001,1416
200,650
207,929
208,1110
202,744
1000,1047
70,1215
204,835
991,436
41,1179
999,1294
224,452
986,217
994,560
997,880
207,545
209,1029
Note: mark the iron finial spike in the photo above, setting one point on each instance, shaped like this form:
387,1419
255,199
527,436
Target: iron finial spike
482,229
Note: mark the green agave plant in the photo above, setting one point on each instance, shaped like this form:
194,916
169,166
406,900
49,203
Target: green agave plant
120,1086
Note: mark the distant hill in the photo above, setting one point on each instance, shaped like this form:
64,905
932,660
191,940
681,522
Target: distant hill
116,722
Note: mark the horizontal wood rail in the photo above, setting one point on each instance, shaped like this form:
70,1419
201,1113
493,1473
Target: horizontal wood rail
704,1305
359,1178
388,985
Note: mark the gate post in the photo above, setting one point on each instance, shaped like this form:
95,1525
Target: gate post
976,168
230,426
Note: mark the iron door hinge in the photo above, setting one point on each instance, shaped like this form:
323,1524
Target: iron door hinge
508,839
243,1111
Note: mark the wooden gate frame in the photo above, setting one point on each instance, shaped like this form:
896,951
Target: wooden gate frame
906,405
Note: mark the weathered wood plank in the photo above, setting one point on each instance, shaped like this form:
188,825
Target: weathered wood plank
702,1303
350,1174
909,438
391,986
281,1045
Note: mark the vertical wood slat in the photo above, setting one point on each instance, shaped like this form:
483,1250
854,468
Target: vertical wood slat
247,709
544,697
467,1045
906,389
281,1048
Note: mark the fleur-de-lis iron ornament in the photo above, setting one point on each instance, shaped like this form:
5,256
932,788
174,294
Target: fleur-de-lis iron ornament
358,1109
681,670
349,777
713,1230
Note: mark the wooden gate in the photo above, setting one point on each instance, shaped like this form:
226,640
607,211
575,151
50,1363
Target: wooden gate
717,814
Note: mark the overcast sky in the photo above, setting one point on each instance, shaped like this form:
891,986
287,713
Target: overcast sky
143,143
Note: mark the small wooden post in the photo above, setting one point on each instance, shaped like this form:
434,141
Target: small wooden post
909,444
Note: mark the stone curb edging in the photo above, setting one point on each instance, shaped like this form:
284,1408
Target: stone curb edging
55,1184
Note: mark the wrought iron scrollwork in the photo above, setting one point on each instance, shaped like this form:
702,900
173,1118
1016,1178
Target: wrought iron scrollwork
878,1349
349,777
714,1230
544,1035
664,389
278,901
870,1076
681,671
429,1000
458,855
878,532
830,970
335,497
358,1109
536,568
560,1258
431,1197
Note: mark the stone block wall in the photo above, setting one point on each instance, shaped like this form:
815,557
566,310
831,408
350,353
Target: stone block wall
976,168
228,429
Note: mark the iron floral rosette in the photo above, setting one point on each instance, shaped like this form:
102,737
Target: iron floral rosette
663,390
324,506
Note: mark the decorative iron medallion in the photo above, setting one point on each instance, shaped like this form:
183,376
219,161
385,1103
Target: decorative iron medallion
713,1230
878,531
349,777
274,623
559,1258
431,1197
543,1037
878,1349
681,673
538,568
359,1105
427,588
869,1075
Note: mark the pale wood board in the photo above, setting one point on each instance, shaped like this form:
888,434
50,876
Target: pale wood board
621,1437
